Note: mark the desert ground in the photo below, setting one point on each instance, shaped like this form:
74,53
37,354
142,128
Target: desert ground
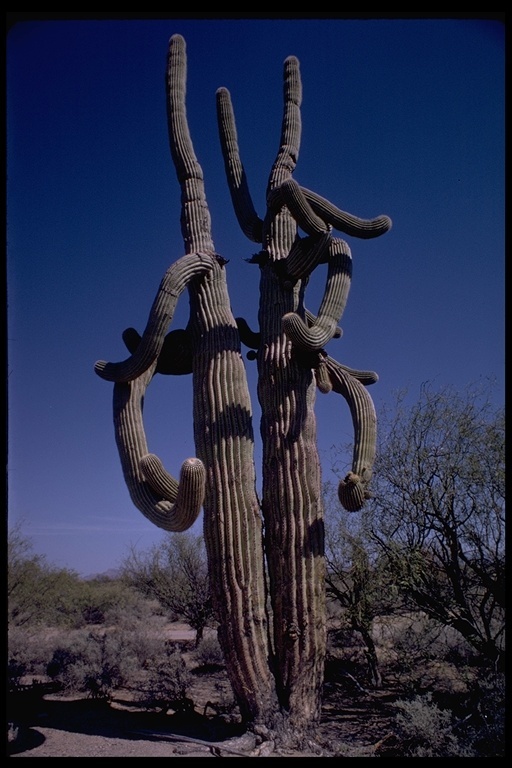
355,723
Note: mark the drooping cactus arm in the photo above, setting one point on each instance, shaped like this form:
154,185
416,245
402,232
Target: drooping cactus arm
314,337
305,255
364,229
365,377
290,194
324,382
249,221
313,213
168,504
311,319
353,489
175,280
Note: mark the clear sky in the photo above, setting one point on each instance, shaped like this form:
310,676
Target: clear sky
403,117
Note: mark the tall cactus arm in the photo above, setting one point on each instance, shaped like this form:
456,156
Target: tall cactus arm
175,280
291,128
364,229
353,489
195,216
249,221
313,337
168,504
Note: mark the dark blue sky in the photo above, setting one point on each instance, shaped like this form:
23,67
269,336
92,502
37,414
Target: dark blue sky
399,117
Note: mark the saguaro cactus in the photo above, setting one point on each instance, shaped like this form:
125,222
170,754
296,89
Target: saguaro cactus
274,656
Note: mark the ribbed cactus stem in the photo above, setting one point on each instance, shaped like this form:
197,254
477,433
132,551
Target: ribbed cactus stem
195,216
314,337
353,490
232,523
291,195
292,501
166,512
364,229
249,221
306,254
223,436
291,128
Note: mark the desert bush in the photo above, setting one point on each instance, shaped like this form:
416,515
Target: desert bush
94,663
37,593
30,649
16,670
425,730
168,680
481,716
439,523
209,653
470,724
111,602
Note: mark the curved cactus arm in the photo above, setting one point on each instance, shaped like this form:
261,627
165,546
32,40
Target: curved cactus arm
168,504
365,377
250,222
175,280
291,195
306,254
353,489
314,337
311,319
364,229
323,365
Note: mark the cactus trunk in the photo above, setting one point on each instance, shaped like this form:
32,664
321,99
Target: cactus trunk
232,521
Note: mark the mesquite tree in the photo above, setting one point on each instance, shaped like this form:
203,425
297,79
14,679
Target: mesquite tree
273,546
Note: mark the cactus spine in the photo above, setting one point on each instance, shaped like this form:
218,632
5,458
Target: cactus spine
276,673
